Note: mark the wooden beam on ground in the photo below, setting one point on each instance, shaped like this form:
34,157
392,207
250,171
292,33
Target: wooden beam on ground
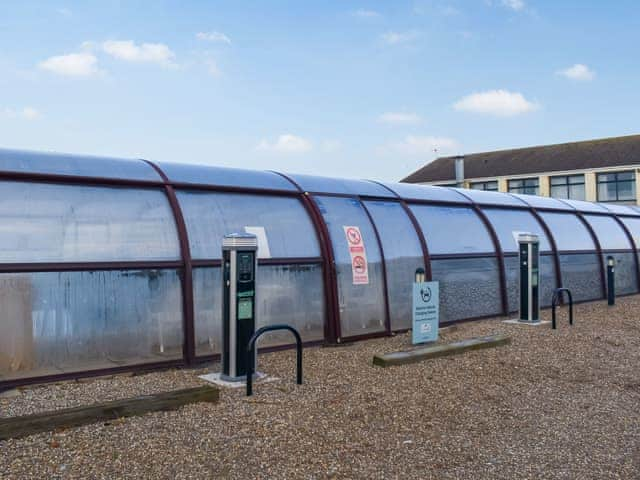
15,427
435,351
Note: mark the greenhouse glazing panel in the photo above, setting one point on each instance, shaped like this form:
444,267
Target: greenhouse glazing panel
415,191
547,281
452,230
633,225
610,234
291,294
362,307
76,165
61,223
59,322
626,280
568,231
402,256
281,223
227,177
313,183
508,224
581,274
469,287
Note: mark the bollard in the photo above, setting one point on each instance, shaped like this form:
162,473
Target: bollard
611,281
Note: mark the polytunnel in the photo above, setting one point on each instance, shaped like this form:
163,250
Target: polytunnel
110,265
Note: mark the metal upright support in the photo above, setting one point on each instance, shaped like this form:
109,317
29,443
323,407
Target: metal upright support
611,280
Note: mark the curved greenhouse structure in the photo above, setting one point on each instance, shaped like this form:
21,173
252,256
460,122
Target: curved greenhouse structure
109,265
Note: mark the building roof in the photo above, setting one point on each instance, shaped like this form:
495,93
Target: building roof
606,152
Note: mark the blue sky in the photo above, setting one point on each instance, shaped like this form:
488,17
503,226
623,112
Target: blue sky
339,88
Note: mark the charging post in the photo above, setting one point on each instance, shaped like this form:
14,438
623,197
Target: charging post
529,257
239,264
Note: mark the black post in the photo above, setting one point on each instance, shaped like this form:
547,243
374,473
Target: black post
251,346
611,281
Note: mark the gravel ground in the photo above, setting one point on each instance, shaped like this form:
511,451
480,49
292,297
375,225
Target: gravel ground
560,404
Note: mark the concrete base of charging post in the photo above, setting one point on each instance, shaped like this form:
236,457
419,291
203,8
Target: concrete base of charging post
436,351
517,321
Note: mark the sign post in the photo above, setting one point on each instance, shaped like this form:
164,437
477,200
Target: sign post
426,309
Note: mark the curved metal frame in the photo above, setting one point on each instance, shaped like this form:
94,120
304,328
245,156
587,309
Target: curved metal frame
332,324
596,243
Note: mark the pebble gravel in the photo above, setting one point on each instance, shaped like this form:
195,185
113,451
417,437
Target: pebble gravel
553,404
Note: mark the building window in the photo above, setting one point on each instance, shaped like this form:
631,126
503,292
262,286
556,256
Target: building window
568,186
490,186
530,186
617,187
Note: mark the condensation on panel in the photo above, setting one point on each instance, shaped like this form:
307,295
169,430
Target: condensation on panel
469,287
402,255
547,281
362,309
626,280
58,322
65,223
207,300
283,227
291,294
581,274
294,295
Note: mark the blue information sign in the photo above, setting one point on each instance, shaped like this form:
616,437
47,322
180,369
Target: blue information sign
426,312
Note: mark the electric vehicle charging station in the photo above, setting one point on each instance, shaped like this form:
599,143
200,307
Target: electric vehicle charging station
239,264
529,257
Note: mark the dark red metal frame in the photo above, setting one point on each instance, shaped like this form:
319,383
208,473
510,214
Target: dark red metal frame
332,324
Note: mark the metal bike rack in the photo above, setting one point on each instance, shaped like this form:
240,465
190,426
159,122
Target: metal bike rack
554,300
251,356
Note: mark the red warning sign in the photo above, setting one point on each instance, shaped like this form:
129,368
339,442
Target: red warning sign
359,264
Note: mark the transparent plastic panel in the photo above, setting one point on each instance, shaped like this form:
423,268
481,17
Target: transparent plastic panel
402,255
77,165
568,231
312,183
291,294
633,225
508,224
621,209
225,177
626,280
361,305
610,234
547,281
426,192
490,198
469,287
61,223
281,223
542,202
582,206
59,322
581,274
452,230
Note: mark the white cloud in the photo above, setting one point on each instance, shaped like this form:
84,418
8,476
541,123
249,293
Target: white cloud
400,118
362,13
65,12
72,64
578,72
26,113
501,103
425,145
396,38
286,143
128,51
218,37
514,4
